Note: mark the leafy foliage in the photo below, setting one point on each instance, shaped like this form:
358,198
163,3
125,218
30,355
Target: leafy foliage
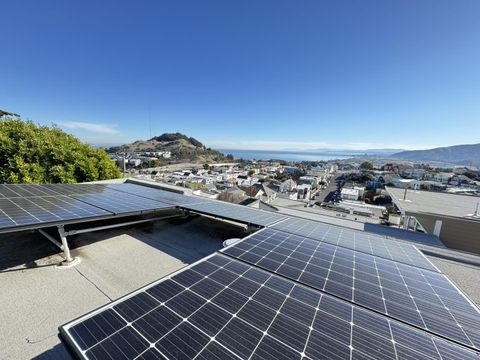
31,153
366,165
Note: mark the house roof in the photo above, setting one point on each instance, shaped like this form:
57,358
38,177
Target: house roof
441,203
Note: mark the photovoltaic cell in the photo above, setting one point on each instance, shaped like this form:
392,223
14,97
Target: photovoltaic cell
157,194
178,317
43,210
76,189
357,240
120,203
236,213
25,190
422,298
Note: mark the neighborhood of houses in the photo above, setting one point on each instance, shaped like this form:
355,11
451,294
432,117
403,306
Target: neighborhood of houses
354,189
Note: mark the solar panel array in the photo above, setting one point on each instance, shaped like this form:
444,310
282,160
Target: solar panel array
221,308
121,203
422,298
27,206
157,194
25,190
38,210
236,212
357,240
76,189
19,210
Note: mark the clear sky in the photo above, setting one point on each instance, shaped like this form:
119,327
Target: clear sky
247,74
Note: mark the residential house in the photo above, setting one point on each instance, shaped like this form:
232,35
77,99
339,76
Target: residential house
287,186
309,180
260,191
443,177
304,191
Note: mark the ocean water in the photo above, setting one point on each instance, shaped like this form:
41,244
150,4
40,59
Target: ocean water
285,155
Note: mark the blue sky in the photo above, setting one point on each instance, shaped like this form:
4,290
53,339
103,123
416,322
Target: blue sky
247,74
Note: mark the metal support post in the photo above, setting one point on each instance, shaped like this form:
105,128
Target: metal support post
113,226
51,238
63,237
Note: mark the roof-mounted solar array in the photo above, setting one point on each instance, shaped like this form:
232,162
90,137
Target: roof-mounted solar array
121,203
221,308
39,211
357,240
26,190
419,297
299,289
35,206
157,194
76,189
236,213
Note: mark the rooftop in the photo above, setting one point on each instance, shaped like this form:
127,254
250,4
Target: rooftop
38,295
441,203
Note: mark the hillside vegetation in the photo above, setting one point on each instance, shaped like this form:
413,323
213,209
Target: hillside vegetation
458,154
30,153
182,147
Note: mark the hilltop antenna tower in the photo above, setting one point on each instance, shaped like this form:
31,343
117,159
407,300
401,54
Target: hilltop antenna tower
150,122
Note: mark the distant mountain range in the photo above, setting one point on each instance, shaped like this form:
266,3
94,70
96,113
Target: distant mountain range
354,152
458,154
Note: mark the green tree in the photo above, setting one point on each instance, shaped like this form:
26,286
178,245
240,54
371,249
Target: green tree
31,153
366,165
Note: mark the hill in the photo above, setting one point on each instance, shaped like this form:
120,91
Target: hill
182,147
458,154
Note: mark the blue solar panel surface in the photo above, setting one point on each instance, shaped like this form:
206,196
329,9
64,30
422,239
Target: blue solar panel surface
25,190
301,289
157,194
357,240
236,212
121,203
42,210
422,298
26,206
225,309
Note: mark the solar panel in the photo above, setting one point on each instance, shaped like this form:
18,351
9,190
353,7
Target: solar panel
406,235
44,210
120,203
234,212
25,190
357,240
76,189
157,194
224,309
422,298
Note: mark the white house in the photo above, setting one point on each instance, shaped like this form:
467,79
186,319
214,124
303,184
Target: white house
443,177
288,185
350,194
308,180
134,162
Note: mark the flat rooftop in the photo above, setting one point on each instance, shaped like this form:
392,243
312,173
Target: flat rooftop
441,203
37,295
